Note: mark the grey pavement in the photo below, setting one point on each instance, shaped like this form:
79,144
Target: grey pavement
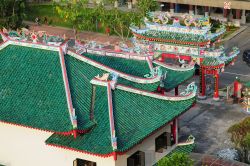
239,69
209,123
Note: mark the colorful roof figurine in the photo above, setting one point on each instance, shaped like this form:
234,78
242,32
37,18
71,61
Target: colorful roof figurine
112,100
189,30
32,36
185,36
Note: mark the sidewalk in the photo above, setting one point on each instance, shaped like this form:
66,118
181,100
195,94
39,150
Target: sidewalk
83,36
242,28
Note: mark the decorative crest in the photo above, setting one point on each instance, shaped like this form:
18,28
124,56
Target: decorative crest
103,78
157,71
190,88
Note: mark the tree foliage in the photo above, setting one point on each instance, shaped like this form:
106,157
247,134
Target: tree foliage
72,11
240,136
239,131
99,17
12,12
176,159
246,141
145,6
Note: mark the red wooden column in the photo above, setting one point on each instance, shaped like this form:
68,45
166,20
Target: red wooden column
202,83
206,11
172,5
225,12
176,91
236,87
162,58
216,85
174,130
237,13
75,133
191,9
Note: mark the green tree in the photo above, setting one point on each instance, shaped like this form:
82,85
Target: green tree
12,12
121,21
72,11
240,136
176,159
246,141
145,6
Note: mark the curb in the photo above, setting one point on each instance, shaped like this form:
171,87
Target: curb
235,34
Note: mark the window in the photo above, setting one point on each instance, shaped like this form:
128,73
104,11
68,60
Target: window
80,162
137,159
163,141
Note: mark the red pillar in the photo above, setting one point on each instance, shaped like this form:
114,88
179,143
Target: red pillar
206,8
75,133
174,130
161,90
237,13
202,82
191,7
206,11
216,85
115,156
172,5
236,87
162,58
225,11
176,91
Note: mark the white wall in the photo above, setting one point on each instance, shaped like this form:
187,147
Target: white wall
147,146
21,146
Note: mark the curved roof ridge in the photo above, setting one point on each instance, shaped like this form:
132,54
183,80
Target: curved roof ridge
4,44
108,69
173,68
145,93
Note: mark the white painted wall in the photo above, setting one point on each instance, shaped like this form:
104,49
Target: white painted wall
147,146
21,146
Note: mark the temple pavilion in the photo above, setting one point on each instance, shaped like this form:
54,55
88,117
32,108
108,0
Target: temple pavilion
97,107
189,39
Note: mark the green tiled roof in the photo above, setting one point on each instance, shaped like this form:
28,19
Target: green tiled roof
175,77
146,114
186,149
32,90
32,93
140,68
174,36
98,140
247,84
129,66
79,75
210,61
148,87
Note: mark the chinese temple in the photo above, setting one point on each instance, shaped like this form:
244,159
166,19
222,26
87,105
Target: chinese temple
63,103
191,40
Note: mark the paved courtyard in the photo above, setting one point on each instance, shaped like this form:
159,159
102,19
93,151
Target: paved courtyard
208,122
